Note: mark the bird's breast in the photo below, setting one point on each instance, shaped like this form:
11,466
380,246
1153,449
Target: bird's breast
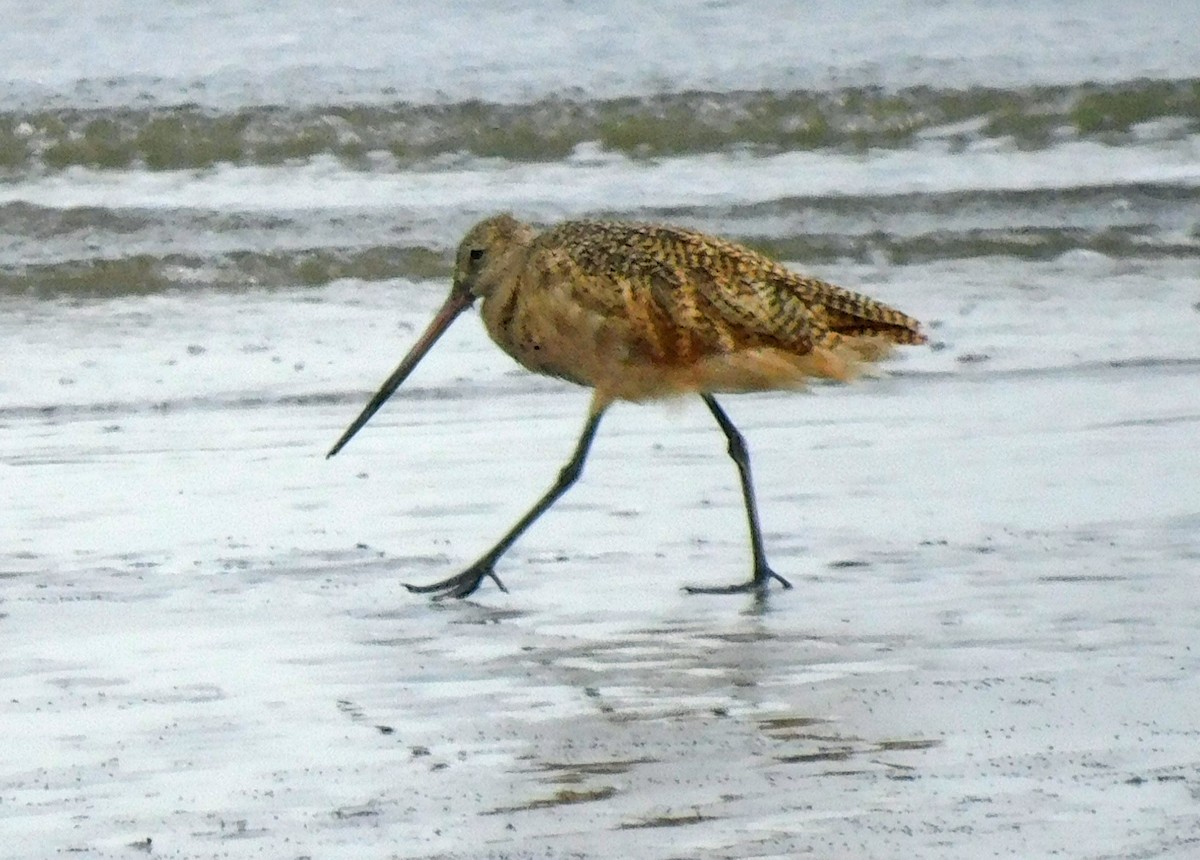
631,349
548,333
555,333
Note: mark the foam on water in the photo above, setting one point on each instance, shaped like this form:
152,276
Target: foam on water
576,187
297,144
87,231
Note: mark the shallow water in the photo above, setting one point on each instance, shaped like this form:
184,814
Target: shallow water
295,144
988,649
209,258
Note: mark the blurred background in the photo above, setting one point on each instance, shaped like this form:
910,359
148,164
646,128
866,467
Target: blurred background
147,147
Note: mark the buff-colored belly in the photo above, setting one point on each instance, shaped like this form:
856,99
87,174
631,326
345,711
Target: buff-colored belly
623,362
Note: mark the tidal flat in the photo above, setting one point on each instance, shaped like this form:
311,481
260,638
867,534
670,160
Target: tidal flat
206,649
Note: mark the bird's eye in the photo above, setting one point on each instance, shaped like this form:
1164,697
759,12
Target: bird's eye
475,255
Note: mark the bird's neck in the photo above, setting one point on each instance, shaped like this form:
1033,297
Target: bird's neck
500,299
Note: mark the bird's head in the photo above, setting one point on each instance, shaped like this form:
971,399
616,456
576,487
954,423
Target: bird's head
483,257
486,253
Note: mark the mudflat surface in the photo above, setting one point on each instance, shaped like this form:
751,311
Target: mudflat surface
205,649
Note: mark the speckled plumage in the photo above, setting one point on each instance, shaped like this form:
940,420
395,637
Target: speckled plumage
640,311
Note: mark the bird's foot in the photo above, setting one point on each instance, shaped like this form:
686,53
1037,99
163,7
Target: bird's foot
462,584
762,578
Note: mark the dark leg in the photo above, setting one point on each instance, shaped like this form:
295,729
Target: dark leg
466,582
737,450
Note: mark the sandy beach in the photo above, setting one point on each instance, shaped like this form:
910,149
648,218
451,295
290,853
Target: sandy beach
206,650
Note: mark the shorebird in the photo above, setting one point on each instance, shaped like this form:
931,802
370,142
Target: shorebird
641,312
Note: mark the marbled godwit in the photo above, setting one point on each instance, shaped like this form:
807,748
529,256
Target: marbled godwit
642,311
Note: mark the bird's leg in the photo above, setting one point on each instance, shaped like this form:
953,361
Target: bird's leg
741,457
466,582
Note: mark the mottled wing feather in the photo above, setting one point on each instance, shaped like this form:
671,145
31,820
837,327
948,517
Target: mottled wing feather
681,296
691,294
750,292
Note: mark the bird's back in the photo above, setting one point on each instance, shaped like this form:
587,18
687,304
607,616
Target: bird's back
645,310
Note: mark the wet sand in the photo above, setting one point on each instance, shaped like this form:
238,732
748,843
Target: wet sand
990,649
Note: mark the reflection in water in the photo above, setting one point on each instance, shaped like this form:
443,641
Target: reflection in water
590,710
